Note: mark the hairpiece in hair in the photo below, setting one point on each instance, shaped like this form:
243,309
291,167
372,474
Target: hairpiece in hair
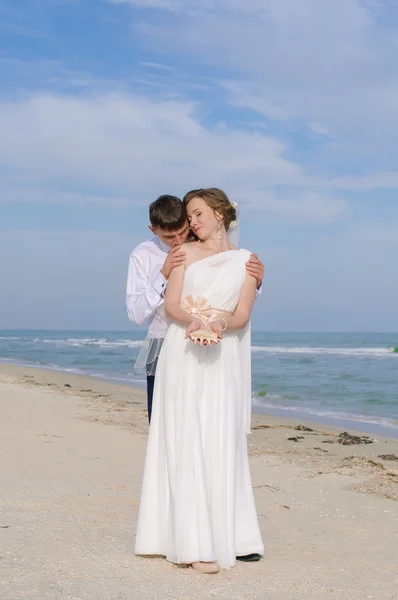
234,224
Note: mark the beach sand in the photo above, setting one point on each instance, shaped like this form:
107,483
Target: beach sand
71,457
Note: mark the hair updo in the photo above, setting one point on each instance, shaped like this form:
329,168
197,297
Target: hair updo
217,200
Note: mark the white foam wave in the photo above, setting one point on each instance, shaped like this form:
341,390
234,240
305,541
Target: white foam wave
336,351
93,342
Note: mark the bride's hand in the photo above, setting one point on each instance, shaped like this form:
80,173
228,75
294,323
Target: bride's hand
217,327
201,334
193,326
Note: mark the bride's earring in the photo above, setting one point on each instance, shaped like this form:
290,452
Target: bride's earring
219,229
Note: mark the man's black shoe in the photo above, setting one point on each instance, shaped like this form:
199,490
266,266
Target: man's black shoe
249,557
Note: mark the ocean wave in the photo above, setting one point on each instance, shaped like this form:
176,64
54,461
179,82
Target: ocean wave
275,402
107,344
77,342
335,351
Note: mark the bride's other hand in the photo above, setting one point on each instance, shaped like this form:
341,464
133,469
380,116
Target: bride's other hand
193,326
217,327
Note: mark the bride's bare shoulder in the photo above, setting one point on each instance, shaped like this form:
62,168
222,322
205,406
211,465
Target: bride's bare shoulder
191,248
192,252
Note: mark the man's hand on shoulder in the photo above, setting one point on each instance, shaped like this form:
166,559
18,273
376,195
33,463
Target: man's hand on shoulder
175,258
255,268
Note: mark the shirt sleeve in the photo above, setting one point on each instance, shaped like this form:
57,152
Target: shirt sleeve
259,290
143,295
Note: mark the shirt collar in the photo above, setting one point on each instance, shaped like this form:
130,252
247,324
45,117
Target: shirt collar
162,245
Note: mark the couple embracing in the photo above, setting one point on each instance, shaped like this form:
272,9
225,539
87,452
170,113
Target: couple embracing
197,506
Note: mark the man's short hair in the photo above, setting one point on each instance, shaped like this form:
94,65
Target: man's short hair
168,213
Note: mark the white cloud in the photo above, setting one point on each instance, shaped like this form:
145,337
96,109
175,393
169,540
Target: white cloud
131,147
333,62
124,150
376,180
157,66
319,128
165,4
306,205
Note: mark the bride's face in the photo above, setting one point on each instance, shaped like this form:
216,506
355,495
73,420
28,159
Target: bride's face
202,218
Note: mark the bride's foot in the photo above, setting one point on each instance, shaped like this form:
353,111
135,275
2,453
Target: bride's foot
206,568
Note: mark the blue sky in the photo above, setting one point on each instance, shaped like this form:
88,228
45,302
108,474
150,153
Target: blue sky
291,107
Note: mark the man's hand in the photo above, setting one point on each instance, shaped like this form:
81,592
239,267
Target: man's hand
175,258
255,268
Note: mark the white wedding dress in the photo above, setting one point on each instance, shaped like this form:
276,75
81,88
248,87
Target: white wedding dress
197,501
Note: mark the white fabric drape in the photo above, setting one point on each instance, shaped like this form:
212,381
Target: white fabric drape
197,502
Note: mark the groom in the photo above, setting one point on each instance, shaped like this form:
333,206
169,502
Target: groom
150,265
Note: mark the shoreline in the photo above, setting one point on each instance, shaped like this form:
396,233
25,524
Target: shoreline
98,391
365,427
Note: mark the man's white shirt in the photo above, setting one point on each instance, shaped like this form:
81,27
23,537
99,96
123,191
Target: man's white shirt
146,287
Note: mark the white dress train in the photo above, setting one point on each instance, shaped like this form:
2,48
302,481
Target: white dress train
197,501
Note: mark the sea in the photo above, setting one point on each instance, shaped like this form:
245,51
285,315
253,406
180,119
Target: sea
345,379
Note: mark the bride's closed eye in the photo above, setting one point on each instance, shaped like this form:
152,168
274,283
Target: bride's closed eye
196,215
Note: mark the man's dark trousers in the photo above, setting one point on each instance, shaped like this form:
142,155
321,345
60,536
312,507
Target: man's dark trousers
150,382
152,363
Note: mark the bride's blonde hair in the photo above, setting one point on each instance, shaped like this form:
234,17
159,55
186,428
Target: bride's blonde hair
217,200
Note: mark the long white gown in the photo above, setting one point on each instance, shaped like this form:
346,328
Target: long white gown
197,501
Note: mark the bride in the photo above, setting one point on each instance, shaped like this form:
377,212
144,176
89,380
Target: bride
197,505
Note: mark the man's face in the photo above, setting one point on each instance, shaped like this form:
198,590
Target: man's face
171,238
